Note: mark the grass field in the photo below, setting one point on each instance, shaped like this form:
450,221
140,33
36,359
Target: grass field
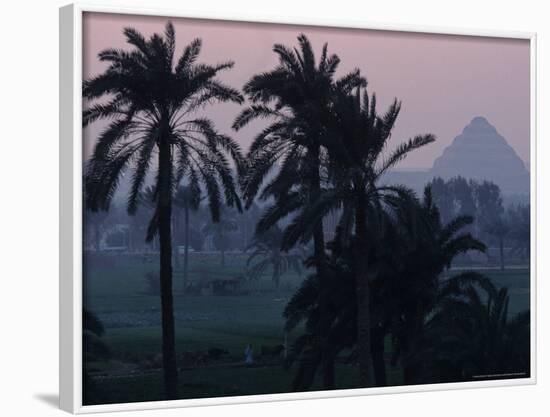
116,290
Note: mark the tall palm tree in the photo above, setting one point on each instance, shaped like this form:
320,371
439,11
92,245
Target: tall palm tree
303,308
149,103
356,140
267,247
296,97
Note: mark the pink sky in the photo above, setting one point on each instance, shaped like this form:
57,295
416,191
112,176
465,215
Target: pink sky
443,81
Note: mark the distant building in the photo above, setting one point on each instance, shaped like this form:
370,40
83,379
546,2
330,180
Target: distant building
479,153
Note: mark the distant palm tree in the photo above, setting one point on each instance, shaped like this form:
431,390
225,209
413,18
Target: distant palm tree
149,103
187,198
296,97
247,224
219,230
499,229
267,247
518,217
356,140
95,225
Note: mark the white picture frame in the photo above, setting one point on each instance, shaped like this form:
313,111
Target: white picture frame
70,152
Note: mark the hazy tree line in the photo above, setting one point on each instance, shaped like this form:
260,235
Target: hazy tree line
494,223
385,273
118,230
504,227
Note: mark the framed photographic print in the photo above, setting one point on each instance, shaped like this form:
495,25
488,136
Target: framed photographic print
254,210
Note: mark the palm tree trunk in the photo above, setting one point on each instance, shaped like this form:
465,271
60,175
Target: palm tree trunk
327,358
222,244
167,303
130,239
245,234
415,328
408,372
501,248
363,293
175,229
377,350
411,371
276,277
285,344
186,250
97,236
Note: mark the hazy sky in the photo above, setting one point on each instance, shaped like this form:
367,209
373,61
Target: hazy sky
442,81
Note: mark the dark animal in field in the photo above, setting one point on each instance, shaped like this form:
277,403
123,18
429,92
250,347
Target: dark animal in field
272,351
216,353
225,286
198,358
151,362
195,358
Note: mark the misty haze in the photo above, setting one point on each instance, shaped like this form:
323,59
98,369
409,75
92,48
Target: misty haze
276,208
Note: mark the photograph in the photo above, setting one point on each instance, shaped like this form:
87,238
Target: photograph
273,208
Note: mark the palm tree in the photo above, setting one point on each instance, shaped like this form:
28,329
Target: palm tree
187,198
96,223
474,336
356,140
517,217
296,97
149,103
267,247
403,295
413,289
93,349
499,229
303,307
219,231
247,224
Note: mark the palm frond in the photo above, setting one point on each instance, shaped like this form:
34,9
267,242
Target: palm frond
403,150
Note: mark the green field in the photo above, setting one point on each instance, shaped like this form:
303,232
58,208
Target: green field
116,290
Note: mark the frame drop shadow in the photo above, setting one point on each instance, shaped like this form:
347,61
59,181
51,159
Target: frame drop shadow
49,399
